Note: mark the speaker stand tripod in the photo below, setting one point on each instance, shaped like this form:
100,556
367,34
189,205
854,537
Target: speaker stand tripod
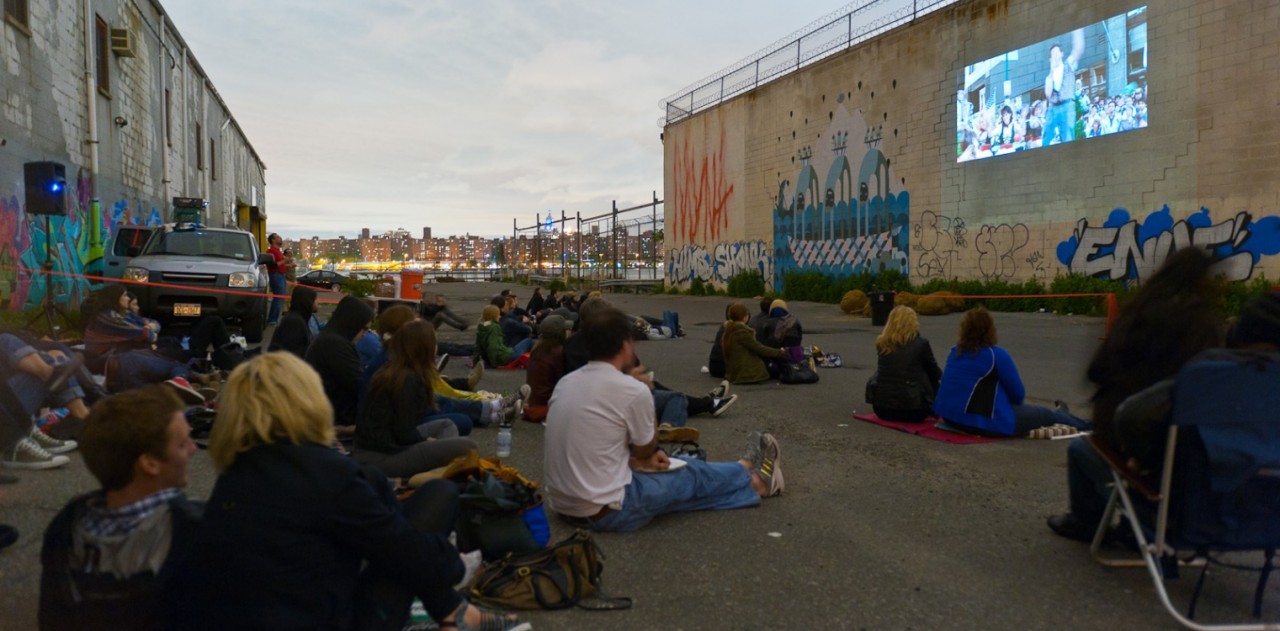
49,308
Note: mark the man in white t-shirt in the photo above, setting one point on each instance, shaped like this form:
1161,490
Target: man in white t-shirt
603,468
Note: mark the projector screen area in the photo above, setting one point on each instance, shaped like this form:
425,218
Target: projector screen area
1091,81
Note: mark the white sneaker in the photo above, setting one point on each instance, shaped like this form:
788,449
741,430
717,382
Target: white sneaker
721,391
51,444
28,454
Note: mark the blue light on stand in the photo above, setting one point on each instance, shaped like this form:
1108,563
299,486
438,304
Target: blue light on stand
55,187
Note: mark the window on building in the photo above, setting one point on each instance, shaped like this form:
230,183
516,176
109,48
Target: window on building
168,118
102,49
213,160
15,13
199,147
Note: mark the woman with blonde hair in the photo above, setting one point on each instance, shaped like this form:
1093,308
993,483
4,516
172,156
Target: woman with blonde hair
981,391
297,535
907,374
489,342
744,356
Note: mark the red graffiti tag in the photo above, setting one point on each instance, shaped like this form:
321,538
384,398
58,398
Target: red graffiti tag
702,193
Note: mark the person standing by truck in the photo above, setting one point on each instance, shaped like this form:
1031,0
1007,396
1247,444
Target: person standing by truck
278,273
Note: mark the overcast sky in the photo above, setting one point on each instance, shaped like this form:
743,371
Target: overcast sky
463,114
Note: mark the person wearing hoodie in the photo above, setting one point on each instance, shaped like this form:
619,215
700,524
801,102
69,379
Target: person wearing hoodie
333,354
294,332
489,342
108,555
744,355
782,330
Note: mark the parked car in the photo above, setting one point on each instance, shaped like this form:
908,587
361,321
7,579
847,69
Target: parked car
322,278
126,243
182,264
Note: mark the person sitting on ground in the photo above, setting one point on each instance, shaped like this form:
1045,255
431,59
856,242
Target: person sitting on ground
299,536
546,366
981,391
401,431
109,327
907,374
294,333
745,358
601,438
1144,349
369,344
536,302
333,356
715,361
664,328
515,329
673,408
489,343
553,300
108,555
31,380
759,320
782,330
437,312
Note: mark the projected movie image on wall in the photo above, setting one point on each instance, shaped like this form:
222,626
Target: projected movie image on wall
1084,83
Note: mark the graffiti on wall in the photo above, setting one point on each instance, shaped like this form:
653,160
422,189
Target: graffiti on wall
1004,253
702,192
938,242
721,263
65,243
1123,248
842,214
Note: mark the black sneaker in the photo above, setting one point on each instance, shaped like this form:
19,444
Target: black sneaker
8,535
722,405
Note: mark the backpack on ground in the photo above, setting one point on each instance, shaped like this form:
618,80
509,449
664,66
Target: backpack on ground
562,576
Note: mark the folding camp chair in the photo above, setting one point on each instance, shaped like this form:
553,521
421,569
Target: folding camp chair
1220,485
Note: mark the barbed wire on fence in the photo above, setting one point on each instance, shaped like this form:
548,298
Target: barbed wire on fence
854,23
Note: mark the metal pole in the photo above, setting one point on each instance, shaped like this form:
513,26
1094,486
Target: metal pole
757,84
613,231
579,239
537,244
564,260
653,232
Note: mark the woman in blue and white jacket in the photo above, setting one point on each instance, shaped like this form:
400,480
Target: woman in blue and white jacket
981,391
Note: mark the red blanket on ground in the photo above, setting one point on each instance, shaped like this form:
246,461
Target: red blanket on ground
928,429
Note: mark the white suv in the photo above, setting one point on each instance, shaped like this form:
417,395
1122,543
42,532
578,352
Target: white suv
194,271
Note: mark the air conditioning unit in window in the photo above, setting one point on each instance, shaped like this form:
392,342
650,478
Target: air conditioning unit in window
123,43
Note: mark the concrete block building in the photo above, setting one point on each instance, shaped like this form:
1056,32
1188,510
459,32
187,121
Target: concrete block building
110,90
948,144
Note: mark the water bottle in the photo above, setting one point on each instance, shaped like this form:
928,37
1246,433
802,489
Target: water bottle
504,440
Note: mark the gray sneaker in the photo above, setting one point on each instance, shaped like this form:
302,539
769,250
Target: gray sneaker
51,444
751,452
770,469
28,454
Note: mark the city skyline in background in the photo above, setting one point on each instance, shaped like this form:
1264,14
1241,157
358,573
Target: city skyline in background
463,116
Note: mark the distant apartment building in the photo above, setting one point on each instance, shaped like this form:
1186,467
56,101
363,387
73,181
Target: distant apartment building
117,99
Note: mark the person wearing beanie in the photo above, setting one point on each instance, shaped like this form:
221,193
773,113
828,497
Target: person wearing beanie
546,366
782,330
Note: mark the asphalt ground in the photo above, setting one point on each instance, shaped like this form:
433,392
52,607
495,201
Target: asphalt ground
877,529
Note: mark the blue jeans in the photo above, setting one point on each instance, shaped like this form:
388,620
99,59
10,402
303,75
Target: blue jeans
27,388
477,411
671,320
672,407
1061,119
279,286
135,369
521,348
699,486
1029,417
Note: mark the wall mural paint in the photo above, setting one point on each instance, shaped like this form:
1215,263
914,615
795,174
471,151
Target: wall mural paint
22,245
1004,253
842,214
723,262
702,192
1124,249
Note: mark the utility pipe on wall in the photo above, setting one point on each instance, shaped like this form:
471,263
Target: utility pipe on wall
91,127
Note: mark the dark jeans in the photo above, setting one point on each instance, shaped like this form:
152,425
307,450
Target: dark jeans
381,602
460,350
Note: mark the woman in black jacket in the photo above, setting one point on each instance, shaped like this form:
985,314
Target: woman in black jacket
907,374
298,536
294,332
